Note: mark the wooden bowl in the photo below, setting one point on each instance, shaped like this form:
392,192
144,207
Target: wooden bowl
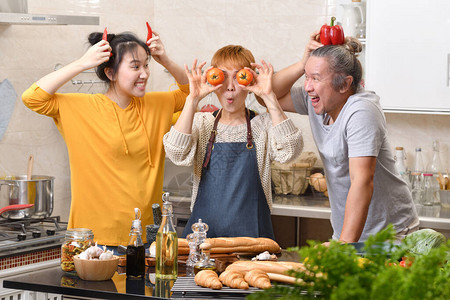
94,269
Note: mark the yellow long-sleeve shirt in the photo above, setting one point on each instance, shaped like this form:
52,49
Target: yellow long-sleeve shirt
116,155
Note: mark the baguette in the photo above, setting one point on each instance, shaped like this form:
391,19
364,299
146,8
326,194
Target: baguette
232,245
276,267
258,279
237,244
234,280
283,278
208,279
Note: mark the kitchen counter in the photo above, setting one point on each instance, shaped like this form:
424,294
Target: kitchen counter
54,280
318,207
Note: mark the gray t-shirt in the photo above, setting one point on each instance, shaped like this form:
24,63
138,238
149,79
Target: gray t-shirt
360,130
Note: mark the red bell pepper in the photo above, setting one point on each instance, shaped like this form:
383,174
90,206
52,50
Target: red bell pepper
149,32
332,34
105,35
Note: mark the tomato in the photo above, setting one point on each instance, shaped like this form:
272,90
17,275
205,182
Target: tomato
244,77
215,76
406,262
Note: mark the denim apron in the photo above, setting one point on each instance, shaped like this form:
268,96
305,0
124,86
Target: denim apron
230,198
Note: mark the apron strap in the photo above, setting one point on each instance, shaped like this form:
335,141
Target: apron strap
212,137
249,131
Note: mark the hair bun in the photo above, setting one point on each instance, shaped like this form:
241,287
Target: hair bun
96,37
353,45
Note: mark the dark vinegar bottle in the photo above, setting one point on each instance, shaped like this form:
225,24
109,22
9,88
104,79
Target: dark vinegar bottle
135,249
135,261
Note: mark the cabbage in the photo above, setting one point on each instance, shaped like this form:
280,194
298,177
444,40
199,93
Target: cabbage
423,240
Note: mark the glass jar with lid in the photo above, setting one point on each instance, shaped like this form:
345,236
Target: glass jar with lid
76,240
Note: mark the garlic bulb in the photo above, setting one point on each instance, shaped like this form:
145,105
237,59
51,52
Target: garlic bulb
95,252
106,255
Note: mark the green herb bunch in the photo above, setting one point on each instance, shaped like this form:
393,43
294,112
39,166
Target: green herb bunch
338,272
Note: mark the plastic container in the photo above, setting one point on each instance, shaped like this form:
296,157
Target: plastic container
445,198
76,240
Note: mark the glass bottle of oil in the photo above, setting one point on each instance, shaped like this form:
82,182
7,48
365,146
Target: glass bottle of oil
135,249
166,244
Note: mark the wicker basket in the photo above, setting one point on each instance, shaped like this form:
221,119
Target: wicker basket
292,178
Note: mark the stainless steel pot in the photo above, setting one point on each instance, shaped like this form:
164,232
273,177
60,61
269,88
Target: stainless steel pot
18,190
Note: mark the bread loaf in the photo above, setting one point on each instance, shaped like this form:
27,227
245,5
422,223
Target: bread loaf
258,279
234,279
208,279
276,267
237,244
233,245
283,278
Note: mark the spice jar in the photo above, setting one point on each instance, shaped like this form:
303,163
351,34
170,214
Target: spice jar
76,240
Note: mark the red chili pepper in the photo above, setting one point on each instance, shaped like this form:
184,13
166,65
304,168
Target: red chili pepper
149,31
332,34
105,35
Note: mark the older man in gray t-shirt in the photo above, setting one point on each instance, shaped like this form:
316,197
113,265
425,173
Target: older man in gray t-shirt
359,131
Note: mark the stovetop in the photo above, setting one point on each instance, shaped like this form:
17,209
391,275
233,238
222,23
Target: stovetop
30,234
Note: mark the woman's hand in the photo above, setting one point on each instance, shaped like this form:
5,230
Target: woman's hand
262,85
198,90
197,82
157,49
95,55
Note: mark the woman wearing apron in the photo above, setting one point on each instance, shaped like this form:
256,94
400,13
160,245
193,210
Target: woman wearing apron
232,148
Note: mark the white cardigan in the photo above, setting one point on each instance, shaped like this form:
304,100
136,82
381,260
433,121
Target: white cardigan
282,143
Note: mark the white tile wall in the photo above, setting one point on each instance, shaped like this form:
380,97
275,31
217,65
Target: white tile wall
276,31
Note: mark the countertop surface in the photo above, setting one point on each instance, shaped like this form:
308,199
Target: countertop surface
318,206
54,280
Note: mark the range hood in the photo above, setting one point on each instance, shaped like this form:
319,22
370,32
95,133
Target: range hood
16,12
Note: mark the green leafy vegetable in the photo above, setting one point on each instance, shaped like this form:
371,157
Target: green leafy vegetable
337,272
423,240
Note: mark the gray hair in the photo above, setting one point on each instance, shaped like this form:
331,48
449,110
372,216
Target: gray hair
343,61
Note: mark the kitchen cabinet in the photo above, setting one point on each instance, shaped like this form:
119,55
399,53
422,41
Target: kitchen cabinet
408,55
296,231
